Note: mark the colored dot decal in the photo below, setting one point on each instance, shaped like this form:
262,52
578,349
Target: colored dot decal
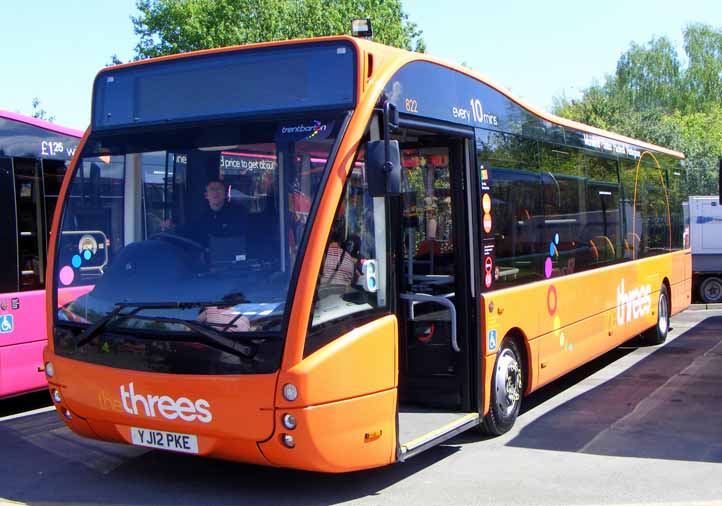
487,223
87,254
486,203
67,275
552,300
75,261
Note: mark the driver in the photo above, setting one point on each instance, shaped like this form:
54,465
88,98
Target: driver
218,219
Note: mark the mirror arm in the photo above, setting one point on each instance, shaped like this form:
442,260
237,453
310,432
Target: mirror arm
388,166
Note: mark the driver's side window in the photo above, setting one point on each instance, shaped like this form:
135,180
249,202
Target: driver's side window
352,278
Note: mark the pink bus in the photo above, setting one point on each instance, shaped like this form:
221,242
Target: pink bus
33,159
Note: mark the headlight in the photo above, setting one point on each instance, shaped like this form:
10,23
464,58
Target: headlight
290,392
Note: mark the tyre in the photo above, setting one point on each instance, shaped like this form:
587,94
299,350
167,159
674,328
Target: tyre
711,290
507,387
658,333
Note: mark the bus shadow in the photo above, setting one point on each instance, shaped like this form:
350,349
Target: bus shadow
44,463
667,406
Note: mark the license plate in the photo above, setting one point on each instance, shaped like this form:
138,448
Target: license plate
173,441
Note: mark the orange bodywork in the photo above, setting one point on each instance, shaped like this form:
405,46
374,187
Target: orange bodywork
347,403
567,321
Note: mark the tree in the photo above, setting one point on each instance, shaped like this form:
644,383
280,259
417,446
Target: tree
177,26
39,112
654,97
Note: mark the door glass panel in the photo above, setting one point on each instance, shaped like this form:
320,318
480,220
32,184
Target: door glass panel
427,222
428,259
31,244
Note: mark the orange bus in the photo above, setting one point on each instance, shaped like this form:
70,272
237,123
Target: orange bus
331,255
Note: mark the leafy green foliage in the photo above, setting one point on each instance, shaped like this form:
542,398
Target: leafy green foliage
40,113
176,26
653,96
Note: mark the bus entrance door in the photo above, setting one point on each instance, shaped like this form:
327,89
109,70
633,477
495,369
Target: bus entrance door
435,399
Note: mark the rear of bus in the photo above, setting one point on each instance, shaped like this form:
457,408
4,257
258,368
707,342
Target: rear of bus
176,337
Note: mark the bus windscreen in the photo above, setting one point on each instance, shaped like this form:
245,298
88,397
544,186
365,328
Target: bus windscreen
181,254
226,84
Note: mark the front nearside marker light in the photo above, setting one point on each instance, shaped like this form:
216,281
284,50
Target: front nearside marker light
67,414
289,421
49,369
57,397
290,392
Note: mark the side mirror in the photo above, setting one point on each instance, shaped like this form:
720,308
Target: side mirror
383,174
383,158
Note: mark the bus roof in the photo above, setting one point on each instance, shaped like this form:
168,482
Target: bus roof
39,123
388,60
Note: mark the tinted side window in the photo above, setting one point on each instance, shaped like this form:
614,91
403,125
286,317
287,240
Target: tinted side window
582,208
517,207
31,228
646,208
603,196
677,200
555,209
8,231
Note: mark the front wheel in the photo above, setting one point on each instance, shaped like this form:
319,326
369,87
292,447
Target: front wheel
658,333
507,386
711,290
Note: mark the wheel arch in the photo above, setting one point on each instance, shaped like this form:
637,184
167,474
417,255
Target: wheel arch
665,282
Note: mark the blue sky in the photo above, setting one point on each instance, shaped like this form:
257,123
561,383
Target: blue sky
52,50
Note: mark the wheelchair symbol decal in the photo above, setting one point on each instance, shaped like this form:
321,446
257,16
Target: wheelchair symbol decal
6,324
492,340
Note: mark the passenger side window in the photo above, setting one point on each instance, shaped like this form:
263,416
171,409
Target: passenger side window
352,279
581,208
549,201
31,229
604,222
510,165
677,201
647,213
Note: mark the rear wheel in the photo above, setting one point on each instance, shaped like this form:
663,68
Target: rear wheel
711,290
507,386
658,333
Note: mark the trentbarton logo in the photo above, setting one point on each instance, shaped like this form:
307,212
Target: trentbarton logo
632,304
150,405
312,129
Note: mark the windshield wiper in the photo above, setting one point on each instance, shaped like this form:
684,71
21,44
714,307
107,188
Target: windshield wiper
210,335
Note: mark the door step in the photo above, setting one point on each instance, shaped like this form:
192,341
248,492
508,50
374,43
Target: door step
446,425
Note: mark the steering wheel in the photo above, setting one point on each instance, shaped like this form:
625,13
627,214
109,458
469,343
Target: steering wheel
179,239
